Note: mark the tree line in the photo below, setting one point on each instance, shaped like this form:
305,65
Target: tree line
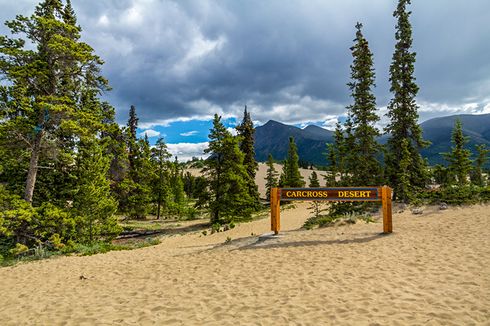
67,169
356,158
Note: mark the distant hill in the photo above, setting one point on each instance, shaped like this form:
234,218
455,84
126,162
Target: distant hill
273,137
438,131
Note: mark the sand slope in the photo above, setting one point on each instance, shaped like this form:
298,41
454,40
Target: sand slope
434,270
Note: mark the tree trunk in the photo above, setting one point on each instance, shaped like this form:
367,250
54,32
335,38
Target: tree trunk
32,174
158,210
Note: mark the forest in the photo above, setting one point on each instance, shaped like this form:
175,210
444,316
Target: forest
69,173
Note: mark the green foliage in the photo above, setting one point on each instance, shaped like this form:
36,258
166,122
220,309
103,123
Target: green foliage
229,196
19,249
314,182
477,176
404,188
459,158
271,177
290,176
456,195
405,132
93,206
246,133
441,175
50,96
135,190
361,130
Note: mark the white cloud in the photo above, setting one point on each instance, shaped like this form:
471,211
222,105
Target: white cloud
486,109
330,123
103,21
429,110
232,131
189,133
198,50
149,133
168,122
185,151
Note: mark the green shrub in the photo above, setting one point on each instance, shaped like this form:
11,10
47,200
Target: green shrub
19,249
456,195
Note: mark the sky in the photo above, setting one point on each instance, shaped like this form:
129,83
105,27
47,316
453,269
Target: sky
180,62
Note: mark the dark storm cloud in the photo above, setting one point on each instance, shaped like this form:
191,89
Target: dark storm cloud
288,60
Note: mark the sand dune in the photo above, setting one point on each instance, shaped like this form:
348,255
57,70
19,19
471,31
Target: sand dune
434,270
262,173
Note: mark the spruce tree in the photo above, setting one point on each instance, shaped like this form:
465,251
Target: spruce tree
482,157
160,187
132,137
227,177
362,133
459,158
314,182
48,72
405,187
93,206
246,133
403,110
136,188
333,165
290,176
271,177
178,198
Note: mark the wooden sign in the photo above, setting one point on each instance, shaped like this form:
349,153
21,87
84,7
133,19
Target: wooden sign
337,194
382,194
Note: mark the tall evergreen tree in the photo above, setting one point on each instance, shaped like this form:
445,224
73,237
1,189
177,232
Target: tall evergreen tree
271,177
246,133
48,72
362,114
93,205
132,137
161,187
403,110
290,176
135,190
459,158
482,157
227,176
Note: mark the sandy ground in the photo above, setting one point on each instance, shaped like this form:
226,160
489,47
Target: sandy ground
433,270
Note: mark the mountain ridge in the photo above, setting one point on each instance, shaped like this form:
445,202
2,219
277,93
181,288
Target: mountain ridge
272,137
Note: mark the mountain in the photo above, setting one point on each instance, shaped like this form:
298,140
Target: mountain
273,137
438,132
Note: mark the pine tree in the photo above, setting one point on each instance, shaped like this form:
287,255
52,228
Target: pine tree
246,133
405,188
229,198
271,177
161,187
337,154
362,133
132,137
314,182
93,205
290,176
48,72
403,110
481,159
333,165
136,188
178,198
459,158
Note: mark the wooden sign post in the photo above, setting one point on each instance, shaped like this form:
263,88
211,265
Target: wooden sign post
382,194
